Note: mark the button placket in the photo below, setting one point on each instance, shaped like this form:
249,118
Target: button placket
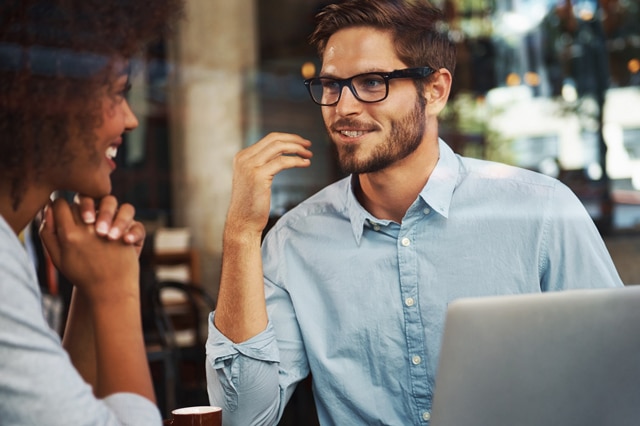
408,242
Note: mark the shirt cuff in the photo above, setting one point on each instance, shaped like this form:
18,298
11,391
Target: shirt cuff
261,347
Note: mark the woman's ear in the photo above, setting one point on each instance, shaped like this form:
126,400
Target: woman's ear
436,92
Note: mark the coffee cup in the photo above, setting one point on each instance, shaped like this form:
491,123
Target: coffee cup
195,416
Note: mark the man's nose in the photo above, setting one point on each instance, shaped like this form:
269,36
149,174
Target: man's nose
348,103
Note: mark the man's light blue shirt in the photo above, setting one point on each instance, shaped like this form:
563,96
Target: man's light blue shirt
360,302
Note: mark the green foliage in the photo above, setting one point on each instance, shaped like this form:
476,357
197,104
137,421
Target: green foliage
470,117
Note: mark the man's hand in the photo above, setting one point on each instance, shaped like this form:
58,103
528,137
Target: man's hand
241,311
254,170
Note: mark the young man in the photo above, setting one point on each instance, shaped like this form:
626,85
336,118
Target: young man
352,285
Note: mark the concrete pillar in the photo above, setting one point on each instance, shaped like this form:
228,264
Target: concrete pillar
213,55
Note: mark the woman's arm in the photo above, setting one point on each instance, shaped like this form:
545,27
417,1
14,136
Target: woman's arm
106,306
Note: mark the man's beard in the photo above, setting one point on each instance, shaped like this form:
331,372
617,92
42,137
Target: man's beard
405,137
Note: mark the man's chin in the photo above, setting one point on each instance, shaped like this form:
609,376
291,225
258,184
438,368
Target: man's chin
354,167
348,163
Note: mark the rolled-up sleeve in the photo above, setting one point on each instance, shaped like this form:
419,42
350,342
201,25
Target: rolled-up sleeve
244,375
253,380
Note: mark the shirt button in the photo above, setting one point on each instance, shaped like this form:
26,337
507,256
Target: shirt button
406,242
376,227
416,360
427,210
409,301
426,416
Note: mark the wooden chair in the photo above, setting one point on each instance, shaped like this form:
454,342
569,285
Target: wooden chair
158,337
187,321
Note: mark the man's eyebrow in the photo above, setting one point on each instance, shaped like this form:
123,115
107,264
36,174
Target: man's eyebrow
367,71
325,74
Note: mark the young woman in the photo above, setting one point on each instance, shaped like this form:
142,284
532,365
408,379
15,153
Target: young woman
63,111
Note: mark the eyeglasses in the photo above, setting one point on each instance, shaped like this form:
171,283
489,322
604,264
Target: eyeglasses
369,87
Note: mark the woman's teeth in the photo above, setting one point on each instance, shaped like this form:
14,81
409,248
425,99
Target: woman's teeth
111,152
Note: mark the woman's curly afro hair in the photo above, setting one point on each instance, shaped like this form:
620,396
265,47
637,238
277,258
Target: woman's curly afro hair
55,57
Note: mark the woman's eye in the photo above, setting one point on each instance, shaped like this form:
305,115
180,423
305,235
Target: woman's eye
121,92
125,90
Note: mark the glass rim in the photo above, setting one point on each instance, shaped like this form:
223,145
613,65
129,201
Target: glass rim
413,72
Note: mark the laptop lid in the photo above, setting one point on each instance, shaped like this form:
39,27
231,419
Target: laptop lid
562,358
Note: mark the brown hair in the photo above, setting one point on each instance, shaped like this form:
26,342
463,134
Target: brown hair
418,29
55,58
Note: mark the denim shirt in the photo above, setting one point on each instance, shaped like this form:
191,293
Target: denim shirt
360,302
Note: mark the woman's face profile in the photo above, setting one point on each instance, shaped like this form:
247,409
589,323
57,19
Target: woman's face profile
92,161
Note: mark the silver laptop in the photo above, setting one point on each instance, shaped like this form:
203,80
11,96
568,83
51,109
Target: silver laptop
563,358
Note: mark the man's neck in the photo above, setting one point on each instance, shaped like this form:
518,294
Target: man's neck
389,193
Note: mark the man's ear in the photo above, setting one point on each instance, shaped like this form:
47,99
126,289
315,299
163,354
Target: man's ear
436,92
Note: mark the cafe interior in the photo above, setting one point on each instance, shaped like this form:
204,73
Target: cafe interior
526,92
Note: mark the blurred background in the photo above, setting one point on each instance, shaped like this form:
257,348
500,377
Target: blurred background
549,85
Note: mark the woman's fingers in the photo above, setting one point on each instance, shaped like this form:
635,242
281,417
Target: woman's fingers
87,208
48,235
107,210
111,220
121,219
60,226
135,236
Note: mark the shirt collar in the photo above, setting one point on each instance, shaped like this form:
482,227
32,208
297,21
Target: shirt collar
437,193
357,214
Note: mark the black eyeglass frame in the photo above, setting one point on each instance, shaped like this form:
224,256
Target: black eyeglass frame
418,72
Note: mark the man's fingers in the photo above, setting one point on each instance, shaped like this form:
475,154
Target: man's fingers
284,162
272,156
297,147
275,145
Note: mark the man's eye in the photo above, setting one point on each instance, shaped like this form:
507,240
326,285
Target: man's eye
331,85
372,82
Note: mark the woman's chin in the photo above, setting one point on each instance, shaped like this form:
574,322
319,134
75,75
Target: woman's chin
96,191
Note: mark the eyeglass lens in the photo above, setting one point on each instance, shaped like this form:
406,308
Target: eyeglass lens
365,87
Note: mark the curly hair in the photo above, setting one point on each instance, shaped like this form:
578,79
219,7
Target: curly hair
55,58
418,29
